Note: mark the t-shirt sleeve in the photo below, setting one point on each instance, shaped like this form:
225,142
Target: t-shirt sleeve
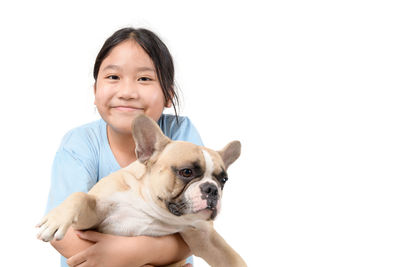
73,170
186,131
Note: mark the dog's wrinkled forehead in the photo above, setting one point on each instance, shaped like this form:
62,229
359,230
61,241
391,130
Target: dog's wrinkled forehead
209,164
203,161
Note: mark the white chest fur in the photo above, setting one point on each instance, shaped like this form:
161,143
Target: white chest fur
129,215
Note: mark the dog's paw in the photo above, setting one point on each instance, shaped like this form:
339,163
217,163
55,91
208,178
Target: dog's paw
52,228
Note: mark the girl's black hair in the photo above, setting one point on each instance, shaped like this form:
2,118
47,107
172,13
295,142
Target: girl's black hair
157,51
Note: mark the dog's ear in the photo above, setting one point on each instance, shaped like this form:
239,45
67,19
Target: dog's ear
230,153
148,137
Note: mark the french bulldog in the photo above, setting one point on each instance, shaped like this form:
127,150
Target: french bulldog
172,187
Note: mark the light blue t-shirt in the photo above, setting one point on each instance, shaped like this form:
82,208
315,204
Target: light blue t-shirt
85,156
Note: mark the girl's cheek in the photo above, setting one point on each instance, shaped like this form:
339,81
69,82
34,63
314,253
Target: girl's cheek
105,92
154,96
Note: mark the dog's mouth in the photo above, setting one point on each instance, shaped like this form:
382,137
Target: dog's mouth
178,209
181,208
209,210
201,200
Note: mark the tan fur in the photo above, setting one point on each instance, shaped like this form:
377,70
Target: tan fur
208,244
142,191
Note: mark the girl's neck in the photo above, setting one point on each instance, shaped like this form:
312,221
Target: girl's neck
122,146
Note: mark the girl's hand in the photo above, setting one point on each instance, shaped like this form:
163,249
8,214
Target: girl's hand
111,251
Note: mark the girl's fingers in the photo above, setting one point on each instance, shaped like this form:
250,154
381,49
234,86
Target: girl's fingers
77,259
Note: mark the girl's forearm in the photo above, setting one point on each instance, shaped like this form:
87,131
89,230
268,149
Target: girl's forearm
71,244
155,250
167,249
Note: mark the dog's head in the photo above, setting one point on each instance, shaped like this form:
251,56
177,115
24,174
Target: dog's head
183,178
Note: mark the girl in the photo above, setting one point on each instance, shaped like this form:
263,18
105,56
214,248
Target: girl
134,73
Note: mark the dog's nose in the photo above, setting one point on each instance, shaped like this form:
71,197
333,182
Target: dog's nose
210,192
209,189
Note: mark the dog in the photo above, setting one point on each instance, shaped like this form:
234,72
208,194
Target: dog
172,187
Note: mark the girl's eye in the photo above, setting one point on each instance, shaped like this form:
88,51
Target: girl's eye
144,79
113,77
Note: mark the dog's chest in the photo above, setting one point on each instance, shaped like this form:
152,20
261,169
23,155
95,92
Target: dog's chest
129,215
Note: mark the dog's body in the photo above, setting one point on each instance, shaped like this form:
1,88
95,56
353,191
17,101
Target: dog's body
173,187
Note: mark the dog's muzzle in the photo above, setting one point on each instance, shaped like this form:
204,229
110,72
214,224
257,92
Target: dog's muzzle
209,192
176,208
209,196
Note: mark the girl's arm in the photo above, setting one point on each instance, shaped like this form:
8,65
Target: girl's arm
110,250
71,244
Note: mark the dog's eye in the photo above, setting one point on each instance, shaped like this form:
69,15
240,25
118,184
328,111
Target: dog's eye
224,180
186,173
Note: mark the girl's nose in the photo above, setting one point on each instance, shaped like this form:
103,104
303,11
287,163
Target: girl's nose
128,90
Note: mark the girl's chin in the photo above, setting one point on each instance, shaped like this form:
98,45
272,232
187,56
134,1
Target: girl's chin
123,122
121,126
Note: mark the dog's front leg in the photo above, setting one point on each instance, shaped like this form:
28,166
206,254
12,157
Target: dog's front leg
206,243
78,210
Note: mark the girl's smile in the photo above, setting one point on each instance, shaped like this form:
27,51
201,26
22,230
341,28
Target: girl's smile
128,109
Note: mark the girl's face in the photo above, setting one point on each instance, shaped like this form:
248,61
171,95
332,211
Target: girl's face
127,84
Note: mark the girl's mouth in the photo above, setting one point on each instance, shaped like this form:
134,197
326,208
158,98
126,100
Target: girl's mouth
127,108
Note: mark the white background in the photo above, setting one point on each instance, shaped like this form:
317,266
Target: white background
311,88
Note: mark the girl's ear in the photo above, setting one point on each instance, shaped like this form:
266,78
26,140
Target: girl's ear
94,91
168,104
